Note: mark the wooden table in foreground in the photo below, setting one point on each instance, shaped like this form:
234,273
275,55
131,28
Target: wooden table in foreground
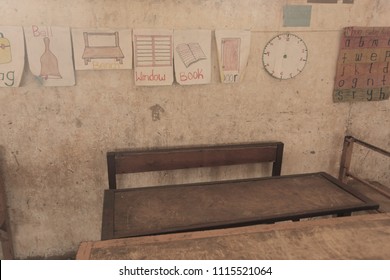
223,204
356,237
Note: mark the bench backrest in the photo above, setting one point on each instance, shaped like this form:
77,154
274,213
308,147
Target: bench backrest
122,162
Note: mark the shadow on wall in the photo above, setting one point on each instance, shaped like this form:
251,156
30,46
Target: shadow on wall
5,231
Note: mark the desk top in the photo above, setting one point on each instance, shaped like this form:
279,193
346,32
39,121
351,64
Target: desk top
356,237
163,209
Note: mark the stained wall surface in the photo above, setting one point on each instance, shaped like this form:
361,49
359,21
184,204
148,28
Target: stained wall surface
53,140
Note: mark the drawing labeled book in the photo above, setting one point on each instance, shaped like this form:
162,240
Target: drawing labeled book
190,53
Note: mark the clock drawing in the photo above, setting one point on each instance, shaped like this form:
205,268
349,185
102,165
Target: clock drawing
285,56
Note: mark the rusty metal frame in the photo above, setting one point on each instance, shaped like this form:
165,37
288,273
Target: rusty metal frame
346,157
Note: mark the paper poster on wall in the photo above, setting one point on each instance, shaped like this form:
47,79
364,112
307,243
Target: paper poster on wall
233,51
153,57
11,55
49,50
192,55
363,64
102,49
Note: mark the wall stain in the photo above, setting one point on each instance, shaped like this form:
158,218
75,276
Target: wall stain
156,112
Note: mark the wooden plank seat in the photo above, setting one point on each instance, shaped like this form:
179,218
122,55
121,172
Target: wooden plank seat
134,161
212,205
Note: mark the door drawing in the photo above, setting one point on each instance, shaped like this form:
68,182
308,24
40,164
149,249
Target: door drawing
231,55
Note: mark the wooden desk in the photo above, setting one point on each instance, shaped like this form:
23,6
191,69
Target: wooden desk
355,237
213,205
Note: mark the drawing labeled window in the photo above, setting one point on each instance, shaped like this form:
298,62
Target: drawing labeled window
153,57
95,49
153,50
190,53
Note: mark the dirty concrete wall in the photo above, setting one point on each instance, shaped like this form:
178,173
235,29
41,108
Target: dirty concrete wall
55,139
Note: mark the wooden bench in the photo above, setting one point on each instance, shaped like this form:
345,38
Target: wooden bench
172,208
123,162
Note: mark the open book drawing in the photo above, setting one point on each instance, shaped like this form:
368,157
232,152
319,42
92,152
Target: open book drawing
190,53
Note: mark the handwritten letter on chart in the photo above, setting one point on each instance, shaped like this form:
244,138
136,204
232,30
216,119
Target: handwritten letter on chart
363,65
49,51
192,56
101,49
11,55
233,52
153,57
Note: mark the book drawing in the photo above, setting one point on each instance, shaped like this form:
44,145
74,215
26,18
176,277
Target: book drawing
190,53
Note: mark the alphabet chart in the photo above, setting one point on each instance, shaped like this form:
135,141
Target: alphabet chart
363,65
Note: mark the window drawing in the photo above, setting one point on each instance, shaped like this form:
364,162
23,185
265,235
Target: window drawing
153,50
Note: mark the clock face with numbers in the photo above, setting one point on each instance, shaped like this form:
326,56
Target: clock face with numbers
285,56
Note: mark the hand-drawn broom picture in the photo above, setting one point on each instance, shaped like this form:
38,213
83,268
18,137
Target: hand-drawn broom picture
49,63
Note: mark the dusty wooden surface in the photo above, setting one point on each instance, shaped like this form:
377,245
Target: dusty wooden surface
379,194
146,211
356,237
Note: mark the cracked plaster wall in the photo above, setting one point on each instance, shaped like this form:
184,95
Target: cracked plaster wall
53,140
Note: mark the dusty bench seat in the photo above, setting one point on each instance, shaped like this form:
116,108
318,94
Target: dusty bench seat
210,205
